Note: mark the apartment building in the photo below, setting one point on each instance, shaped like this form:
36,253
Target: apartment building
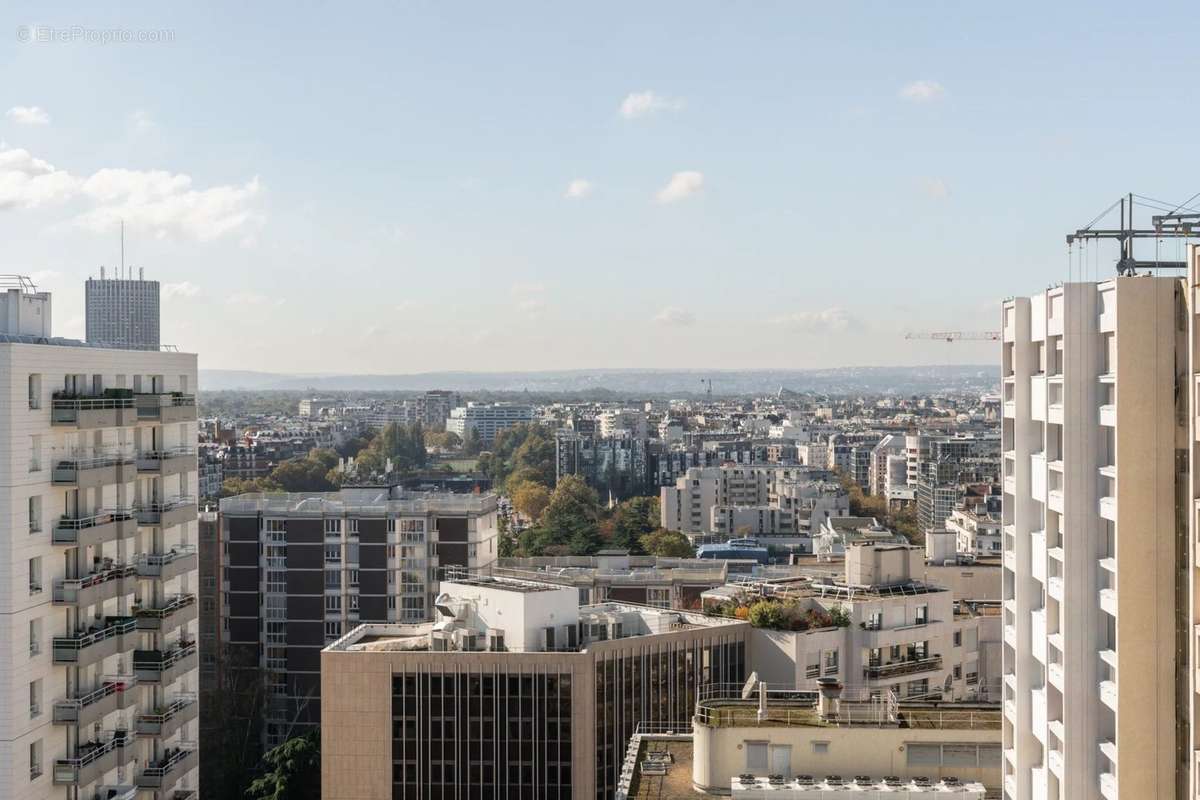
758,500
122,312
901,635
98,677
515,691
764,741
885,465
299,570
975,534
945,465
487,420
1092,429
616,465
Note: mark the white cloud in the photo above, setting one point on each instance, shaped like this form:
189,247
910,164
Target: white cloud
935,188
160,202
829,320
674,315
923,91
681,185
28,115
28,182
578,189
181,289
639,104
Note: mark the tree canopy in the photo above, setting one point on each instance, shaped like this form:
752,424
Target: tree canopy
293,771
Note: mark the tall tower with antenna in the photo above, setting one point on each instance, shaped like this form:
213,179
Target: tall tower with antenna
123,311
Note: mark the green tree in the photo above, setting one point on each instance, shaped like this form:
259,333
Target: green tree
293,771
766,614
633,519
352,446
327,458
663,542
232,487
569,521
472,444
302,475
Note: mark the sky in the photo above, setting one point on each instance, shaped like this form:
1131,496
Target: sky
421,186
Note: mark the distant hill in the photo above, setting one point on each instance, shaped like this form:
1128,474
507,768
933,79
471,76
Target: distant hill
842,380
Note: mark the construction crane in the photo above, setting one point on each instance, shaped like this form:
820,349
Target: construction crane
1180,222
957,336
708,391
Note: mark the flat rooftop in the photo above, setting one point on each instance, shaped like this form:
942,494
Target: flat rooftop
367,502
502,584
732,712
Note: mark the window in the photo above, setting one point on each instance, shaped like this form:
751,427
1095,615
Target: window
353,577
333,554
333,526
352,527
35,391
333,579
957,672
333,602
35,453
830,662
875,621
333,630
35,514
35,760
958,638
820,748
354,602
922,614
756,758
35,637
35,575
35,698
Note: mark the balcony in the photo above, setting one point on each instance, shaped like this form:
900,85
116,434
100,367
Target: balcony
166,408
88,413
92,706
1108,508
163,667
897,669
116,791
171,461
166,513
1054,588
93,530
1108,786
92,471
163,772
92,646
94,759
95,587
175,611
166,566
1108,694
1010,636
1108,416
166,721
1108,601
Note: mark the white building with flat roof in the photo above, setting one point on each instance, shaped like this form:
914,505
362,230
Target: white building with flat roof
98,673
486,420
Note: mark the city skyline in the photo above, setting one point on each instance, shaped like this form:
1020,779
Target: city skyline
354,186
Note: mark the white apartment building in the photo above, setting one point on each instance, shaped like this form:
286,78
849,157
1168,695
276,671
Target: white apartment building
98,675
611,423
486,420
884,460
1090,434
976,535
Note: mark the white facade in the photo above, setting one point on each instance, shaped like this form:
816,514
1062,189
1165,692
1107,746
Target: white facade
98,571
1090,434
486,420
976,535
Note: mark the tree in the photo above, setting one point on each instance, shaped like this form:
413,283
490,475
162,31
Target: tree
327,458
472,444
293,771
633,519
302,475
531,499
232,487
351,446
569,521
663,542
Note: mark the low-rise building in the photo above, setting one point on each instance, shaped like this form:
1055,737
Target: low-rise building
515,691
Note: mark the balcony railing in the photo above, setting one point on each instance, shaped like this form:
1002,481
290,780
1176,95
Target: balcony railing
156,565
68,410
153,618
162,511
156,460
154,724
157,773
72,589
70,469
73,530
67,649
72,708
151,664
93,759
160,406
905,667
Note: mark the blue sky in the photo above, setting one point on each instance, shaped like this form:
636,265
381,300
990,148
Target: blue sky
389,188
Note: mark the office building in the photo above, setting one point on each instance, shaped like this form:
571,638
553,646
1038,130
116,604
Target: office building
614,466
99,671
516,691
486,420
1094,425
299,570
122,312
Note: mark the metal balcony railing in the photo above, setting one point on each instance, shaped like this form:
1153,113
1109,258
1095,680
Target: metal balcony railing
166,659
67,590
174,603
905,667
114,626
68,709
152,723
152,564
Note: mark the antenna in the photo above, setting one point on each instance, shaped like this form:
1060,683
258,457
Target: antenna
122,248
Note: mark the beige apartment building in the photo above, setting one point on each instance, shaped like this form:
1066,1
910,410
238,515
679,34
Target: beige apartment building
1094,429
515,691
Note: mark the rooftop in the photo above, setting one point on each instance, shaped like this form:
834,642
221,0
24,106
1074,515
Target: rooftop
367,502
